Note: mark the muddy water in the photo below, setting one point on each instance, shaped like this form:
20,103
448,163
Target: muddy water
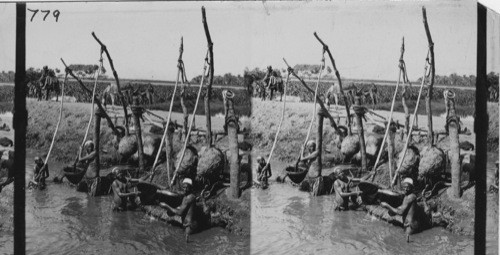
60,220
287,221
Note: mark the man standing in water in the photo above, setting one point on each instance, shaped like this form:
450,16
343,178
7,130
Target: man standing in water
415,218
88,160
89,183
310,160
343,194
122,197
187,210
40,172
263,172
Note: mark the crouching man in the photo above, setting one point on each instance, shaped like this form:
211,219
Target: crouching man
343,194
187,210
415,218
123,198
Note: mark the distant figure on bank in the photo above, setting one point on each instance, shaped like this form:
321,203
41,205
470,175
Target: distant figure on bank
187,210
332,96
415,218
149,94
110,91
263,172
310,160
343,194
123,198
40,172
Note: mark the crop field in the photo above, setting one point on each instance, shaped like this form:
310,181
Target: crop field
242,101
464,99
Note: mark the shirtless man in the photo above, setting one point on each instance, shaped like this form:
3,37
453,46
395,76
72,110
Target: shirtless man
343,194
263,172
415,218
310,160
89,164
122,197
88,160
187,209
40,172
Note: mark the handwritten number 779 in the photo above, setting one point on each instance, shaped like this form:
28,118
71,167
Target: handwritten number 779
55,13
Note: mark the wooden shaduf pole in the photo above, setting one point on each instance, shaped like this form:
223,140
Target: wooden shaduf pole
169,149
325,47
115,74
404,94
97,139
320,102
210,78
391,148
319,145
453,123
428,98
96,100
184,80
167,125
137,112
359,123
391,126
232,135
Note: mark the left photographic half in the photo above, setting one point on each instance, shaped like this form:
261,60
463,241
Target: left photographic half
7,78
137,128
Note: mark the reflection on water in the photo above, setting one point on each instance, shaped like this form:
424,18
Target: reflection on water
60,220
287,221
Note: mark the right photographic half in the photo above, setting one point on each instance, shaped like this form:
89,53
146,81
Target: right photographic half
363,127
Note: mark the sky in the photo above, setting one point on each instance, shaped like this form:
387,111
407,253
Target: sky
143,38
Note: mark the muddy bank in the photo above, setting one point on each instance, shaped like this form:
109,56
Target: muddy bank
232,215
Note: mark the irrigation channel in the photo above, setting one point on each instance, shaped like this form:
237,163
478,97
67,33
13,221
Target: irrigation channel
288,221
60,220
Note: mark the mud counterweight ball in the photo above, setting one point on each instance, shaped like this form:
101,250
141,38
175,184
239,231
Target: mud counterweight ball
128,146
350,146
409,167
432,161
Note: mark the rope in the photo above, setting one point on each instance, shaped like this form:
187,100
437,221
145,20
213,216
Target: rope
389,121
412,121
92,108
192,119
315,101
281,122
168,123
58,122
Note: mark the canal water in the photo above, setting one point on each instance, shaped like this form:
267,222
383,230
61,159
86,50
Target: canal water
288,221
60,220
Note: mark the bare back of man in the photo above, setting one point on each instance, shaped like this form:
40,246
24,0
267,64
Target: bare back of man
415,218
